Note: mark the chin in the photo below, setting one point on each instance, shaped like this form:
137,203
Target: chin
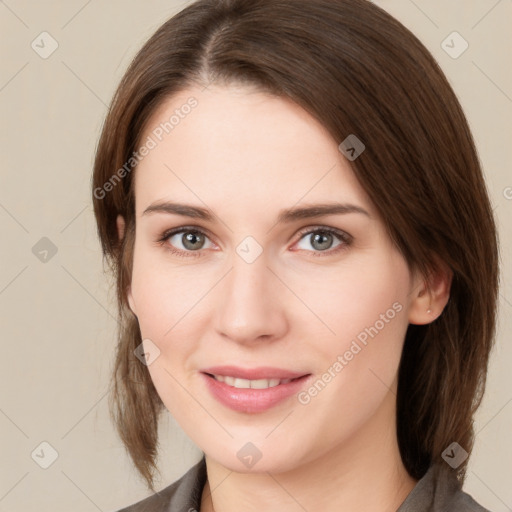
250,459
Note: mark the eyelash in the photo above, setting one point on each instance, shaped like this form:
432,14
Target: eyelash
344,238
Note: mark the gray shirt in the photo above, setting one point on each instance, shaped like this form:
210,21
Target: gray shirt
438,491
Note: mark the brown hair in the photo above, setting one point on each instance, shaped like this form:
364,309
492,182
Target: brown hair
358,71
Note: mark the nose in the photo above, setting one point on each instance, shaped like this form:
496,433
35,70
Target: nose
250,303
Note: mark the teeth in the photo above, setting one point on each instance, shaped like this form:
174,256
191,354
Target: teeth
254,384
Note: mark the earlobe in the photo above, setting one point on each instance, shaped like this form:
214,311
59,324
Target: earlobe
431,296
120,223
131,302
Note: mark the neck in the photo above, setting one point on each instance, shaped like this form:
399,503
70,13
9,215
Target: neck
363,473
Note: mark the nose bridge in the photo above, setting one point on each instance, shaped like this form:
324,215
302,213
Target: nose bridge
249,279
248,306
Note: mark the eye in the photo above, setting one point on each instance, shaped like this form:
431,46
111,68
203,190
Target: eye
322,239
190,241
185,241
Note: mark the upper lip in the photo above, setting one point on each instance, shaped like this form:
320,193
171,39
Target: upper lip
261,372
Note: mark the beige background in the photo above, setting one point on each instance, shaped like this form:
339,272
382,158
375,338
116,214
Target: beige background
57,316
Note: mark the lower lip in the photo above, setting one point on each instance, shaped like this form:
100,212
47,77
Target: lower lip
252,400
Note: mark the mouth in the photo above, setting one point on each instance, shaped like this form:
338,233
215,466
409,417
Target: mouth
253,390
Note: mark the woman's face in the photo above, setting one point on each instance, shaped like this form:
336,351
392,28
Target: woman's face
253,288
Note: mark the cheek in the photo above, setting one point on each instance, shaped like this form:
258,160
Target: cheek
171,312
164,294
365,307
370,292
165,305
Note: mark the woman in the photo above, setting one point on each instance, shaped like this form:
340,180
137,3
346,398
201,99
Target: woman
306,260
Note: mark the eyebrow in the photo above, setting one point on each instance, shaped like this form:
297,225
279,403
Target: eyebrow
285,216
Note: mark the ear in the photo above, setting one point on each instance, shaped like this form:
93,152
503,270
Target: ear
121,224
431,294
131,302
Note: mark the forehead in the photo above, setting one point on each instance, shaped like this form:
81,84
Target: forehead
240,146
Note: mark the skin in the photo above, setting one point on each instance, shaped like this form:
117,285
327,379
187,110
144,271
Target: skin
246,155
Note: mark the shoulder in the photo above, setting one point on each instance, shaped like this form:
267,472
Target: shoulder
463,502
450,495
182,495
439,490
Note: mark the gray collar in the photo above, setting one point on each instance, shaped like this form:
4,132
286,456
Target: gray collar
437,491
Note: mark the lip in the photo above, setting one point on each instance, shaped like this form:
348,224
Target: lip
250,400
261,372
